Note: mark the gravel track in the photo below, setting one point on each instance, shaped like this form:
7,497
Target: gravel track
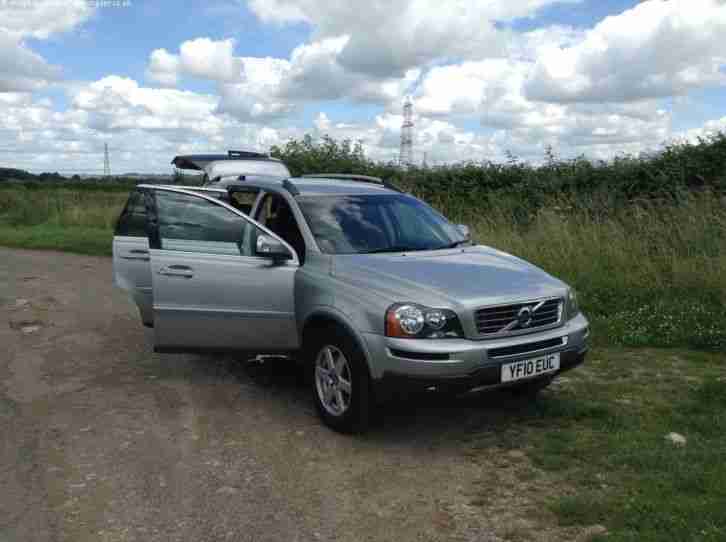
101,439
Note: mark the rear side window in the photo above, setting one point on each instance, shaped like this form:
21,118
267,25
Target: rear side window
132,222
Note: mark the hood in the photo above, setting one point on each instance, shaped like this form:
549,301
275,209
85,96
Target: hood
468,277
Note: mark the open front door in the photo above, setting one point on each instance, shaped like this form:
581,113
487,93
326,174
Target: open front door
211,290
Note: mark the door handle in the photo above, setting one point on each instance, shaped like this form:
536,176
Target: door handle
177,271
137,254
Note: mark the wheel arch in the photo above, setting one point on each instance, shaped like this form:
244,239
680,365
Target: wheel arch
325,317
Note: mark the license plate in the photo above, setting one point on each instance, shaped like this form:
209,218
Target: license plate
529,368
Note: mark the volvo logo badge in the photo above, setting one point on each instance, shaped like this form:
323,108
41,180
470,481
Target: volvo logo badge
524,317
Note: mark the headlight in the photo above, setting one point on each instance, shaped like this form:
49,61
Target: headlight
413,321
573,309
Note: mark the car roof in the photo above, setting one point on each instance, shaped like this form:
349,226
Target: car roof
328,186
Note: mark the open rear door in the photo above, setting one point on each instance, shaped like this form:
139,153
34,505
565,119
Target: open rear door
131,261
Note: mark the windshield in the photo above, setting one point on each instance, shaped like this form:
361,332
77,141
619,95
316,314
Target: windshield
377,223
246,167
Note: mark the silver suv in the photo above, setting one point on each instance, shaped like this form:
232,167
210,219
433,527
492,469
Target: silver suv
376,292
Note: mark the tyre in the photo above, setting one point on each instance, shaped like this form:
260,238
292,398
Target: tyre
340,380
530,388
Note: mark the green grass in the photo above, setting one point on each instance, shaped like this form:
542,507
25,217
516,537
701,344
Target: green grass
79,240
72,220
604,434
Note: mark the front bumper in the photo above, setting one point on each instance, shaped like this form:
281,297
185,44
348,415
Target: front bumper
396,386
404,365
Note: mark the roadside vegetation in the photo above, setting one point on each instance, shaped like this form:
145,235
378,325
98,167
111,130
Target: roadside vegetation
603,434
75,219
643,240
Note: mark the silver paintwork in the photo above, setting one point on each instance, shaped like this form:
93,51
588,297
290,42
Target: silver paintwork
224,168
132,272
254,303
268,246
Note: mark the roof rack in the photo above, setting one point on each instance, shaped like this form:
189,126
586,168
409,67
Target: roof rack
352,177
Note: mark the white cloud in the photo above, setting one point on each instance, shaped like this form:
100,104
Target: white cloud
494,92
316,73
144,127
209,59
381,137
249,87
389,37
256,96
203,58
654,50
20,68
117,103
163,68
278,11
42,18
709,128
268,88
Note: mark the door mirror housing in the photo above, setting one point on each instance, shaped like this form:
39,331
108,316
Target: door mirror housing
269,247
465,231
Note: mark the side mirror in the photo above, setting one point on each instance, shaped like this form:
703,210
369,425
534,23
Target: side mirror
465,231
269,247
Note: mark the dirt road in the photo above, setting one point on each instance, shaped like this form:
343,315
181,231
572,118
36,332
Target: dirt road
100,439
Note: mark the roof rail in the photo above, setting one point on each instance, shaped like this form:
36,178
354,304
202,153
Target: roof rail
345,177
288,185
353,177
246,154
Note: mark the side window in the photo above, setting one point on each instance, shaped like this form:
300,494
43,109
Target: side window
275,214
193,224
132,222
266,211
244,200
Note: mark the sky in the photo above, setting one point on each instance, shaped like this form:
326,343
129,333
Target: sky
488,78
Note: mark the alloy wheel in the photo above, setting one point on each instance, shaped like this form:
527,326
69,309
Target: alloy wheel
333,380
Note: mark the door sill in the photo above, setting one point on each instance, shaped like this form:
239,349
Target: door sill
237,351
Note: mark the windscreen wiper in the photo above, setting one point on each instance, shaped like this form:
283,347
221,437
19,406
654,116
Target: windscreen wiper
389,249
454,244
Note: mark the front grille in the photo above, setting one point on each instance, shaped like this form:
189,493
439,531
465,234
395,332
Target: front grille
526,348
510,319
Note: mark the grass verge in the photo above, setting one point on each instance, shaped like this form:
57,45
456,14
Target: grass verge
603,430
76,239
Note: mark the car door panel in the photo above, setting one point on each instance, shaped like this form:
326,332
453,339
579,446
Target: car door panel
215,294
131,261
215,301
132,272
